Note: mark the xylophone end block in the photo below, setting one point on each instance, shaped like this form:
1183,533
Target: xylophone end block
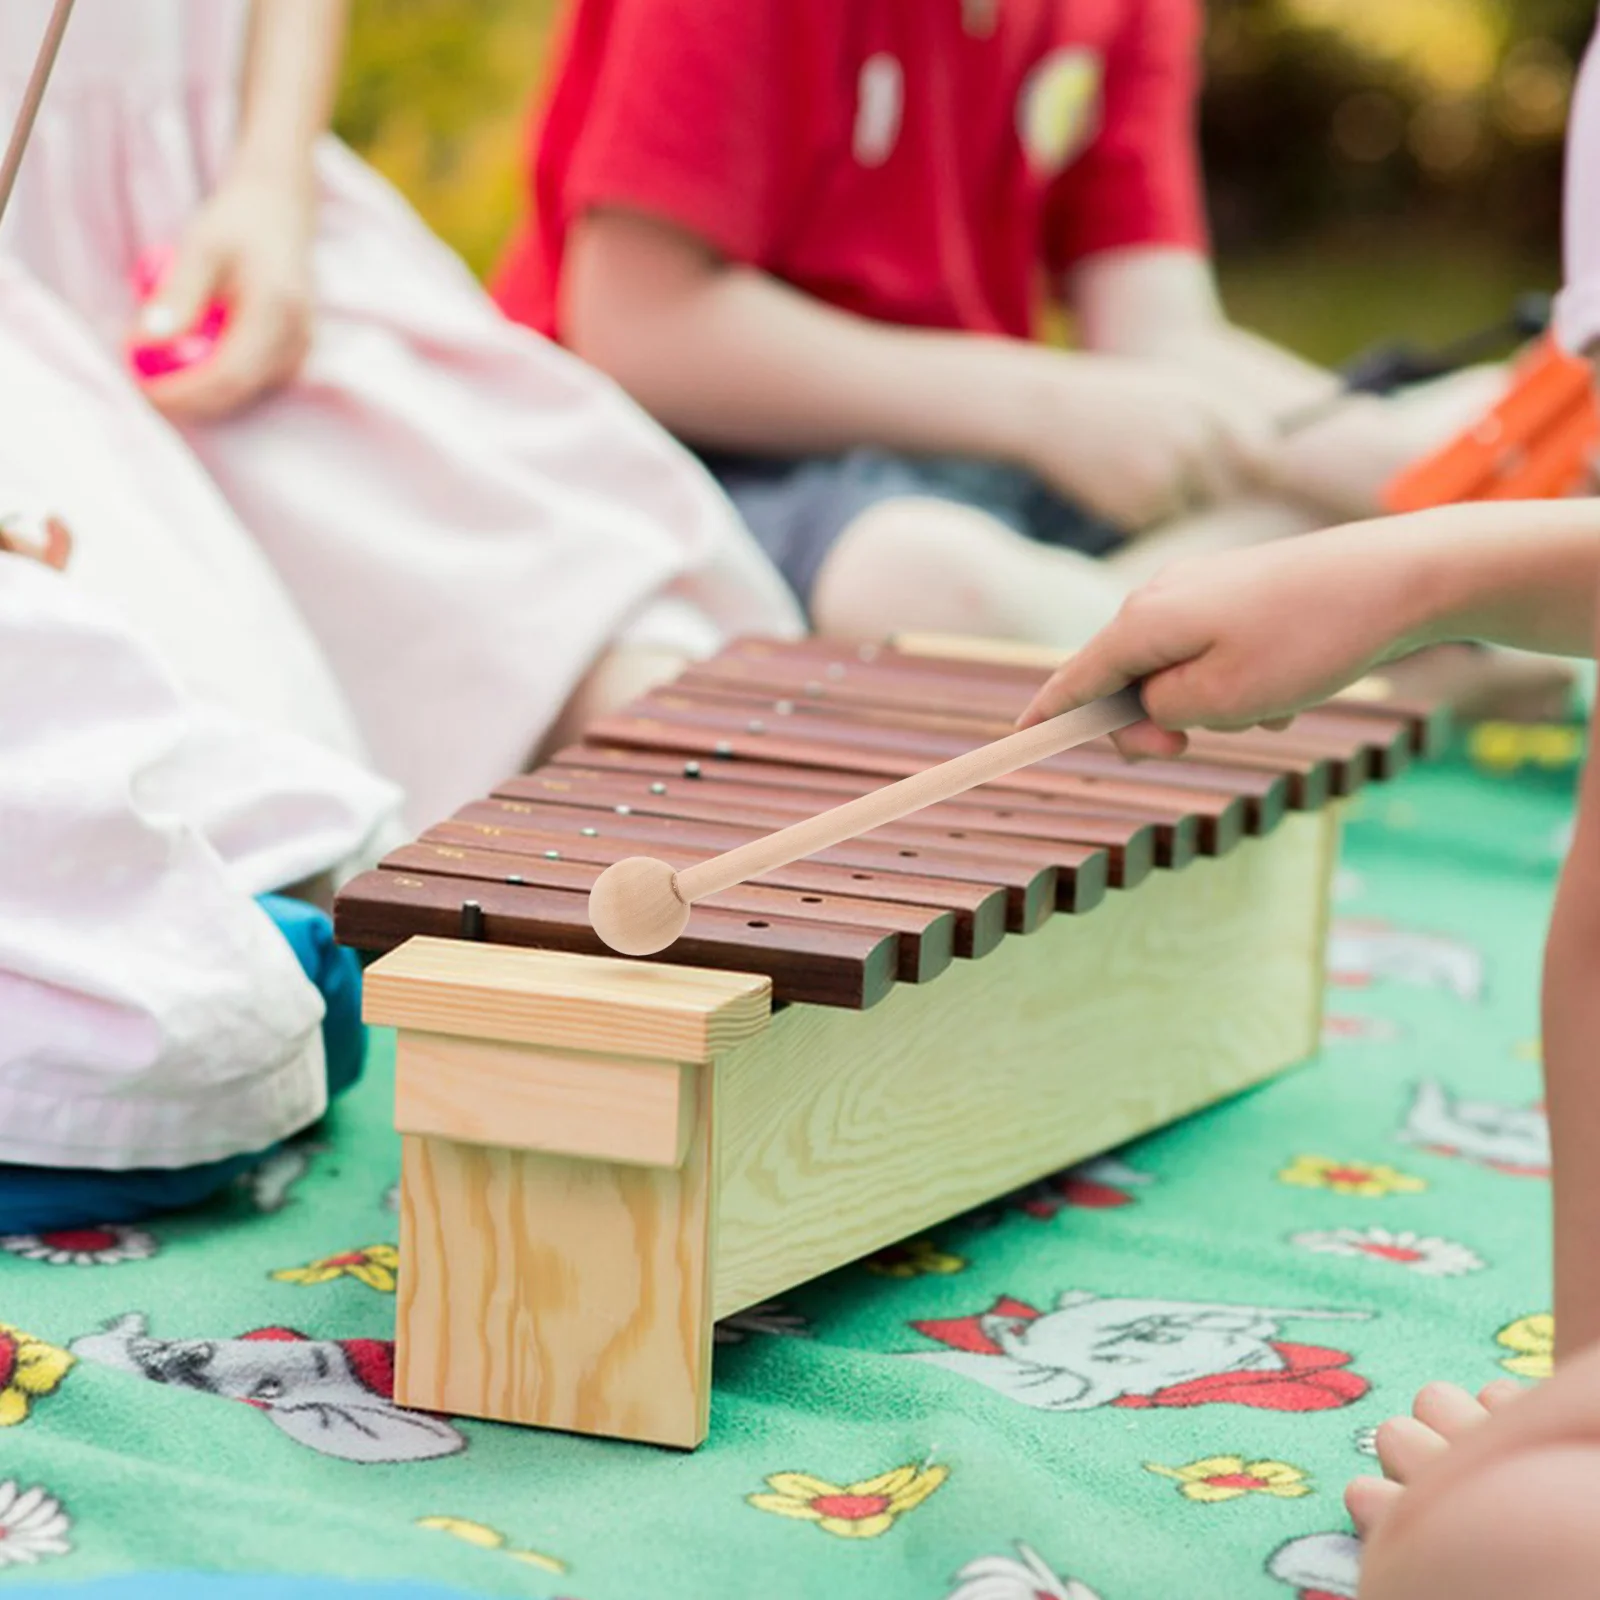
636,908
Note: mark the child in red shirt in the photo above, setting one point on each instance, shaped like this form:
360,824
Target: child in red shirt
815,239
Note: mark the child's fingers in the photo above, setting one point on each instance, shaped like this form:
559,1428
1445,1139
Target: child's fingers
1499,1394
188,287
1405,1446
1145,741
1449,1411
258,351
1369,1502
1127,650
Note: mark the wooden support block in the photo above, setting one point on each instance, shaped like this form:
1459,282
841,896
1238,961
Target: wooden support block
578,1002
563,1290
557,1292
608,1108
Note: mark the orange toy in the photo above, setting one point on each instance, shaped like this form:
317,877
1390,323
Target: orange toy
1538,443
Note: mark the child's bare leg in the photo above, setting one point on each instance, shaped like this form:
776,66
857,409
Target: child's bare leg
928,565
620,675
1489,1500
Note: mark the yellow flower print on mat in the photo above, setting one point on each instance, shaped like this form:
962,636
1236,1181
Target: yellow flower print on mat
374,1266
29,1368
1532,1341
1220,1478
490,1539
855,1511
1369,1180
919,1258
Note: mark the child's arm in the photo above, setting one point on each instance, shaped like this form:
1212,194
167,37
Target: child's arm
1251,636
250,243
731,358
1162,304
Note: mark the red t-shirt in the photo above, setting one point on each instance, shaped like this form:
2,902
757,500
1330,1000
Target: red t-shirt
914,161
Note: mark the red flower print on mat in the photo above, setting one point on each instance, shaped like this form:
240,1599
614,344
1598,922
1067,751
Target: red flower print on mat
108,1245
333,1396
1092,1351
1023,1577
1514,1140
29,1369
1320,1566
852,1511
32,1526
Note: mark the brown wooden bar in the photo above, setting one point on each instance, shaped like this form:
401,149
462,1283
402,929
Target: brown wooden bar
1215,822
978,912
926,935
1130,847
819,963
1030,895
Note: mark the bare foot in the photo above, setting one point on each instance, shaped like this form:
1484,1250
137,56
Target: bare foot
1440,1415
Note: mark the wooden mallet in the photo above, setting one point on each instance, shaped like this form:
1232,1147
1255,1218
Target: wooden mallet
640,905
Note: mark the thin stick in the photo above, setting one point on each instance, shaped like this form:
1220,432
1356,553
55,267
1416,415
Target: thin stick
896,800
31,98
641,905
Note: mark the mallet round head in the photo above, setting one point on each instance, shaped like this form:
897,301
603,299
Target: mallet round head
635,906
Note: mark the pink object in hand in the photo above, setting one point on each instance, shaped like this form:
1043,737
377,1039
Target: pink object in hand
158,358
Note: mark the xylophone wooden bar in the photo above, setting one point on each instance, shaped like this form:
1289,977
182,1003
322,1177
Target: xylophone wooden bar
979,912
1129,846
602,1156
926,936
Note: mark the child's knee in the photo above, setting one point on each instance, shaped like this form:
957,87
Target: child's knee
1522,1523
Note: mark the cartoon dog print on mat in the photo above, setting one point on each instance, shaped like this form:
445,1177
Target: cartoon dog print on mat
1092,1351
1321,1566
334,1396
1510,1139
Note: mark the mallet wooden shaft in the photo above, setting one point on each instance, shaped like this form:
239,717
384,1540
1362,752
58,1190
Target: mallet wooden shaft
897,800
32,95
640,905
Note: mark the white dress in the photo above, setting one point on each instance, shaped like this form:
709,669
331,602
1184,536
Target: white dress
462,515
153,1014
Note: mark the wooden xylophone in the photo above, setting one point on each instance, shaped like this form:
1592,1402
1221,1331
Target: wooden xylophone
603,1156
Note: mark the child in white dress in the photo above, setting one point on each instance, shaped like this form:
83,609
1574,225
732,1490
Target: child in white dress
480,533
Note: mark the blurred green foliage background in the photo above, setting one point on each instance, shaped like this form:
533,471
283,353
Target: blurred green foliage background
1377,168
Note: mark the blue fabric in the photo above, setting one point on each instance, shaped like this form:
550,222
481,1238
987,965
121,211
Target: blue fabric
36,1199
798,508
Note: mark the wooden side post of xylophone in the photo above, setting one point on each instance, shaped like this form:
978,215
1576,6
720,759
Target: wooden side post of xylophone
557,1215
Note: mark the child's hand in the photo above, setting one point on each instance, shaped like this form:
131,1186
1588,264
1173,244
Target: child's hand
250,246
1137,442
1242,639
1344,462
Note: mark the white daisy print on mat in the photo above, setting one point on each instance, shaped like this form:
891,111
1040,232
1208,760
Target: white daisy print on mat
1023,1577
1427,1257
108,1245
32,1526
